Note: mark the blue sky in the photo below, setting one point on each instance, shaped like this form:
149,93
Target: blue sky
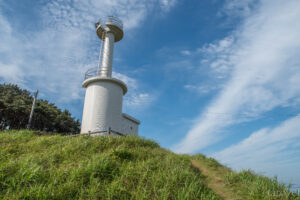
216,77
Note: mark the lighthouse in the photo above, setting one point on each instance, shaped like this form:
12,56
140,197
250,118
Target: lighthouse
102,112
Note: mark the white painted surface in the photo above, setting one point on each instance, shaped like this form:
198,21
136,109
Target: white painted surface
102,107
104,95
106,69
129,125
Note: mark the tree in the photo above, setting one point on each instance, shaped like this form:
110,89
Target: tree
15,105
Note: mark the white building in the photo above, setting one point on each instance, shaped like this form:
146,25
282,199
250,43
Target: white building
104,94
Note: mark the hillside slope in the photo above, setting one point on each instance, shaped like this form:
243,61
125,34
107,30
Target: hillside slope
83,167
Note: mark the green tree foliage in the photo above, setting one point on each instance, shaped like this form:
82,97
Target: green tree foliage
15,106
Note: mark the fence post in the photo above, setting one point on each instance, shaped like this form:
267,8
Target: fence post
108,131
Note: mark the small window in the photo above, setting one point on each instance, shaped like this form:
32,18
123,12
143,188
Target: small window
130,127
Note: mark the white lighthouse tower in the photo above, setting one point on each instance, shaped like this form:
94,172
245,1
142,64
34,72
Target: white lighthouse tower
102,112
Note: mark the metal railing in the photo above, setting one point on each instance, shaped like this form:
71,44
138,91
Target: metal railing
109,20
114,21
109,132
93,72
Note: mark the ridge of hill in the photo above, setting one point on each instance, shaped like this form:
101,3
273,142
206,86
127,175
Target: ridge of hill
84,167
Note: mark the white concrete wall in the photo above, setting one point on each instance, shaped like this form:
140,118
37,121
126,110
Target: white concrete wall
129,126
102,107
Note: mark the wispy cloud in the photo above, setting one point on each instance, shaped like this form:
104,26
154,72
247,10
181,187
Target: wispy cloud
78,13
272,151
236,8
55,54
10,58
135,99
167,4
201,89
262,62
185,52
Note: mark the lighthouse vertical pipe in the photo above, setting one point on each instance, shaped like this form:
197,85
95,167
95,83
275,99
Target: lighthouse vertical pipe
108,51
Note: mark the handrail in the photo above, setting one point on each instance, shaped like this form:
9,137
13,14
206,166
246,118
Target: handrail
115,21
93,72
109,131
109,20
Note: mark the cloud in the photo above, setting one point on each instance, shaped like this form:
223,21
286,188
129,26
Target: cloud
130,82
138,100
219,56
135,98
272,151
201,89
167,4
11,73
10,58
77,13
236,8
54,55
185,52
262,65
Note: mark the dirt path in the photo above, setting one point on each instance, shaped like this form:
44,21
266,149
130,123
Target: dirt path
215,183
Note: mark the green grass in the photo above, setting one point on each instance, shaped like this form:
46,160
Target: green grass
83,167
259,187
247,184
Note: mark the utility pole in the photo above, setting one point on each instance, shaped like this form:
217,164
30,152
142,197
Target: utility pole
32,108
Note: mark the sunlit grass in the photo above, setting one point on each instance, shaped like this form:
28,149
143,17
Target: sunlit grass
83,167
247,184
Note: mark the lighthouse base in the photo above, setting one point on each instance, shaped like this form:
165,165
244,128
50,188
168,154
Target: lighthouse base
102,104
103,108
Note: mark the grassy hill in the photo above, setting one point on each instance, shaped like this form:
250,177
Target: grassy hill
83,167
